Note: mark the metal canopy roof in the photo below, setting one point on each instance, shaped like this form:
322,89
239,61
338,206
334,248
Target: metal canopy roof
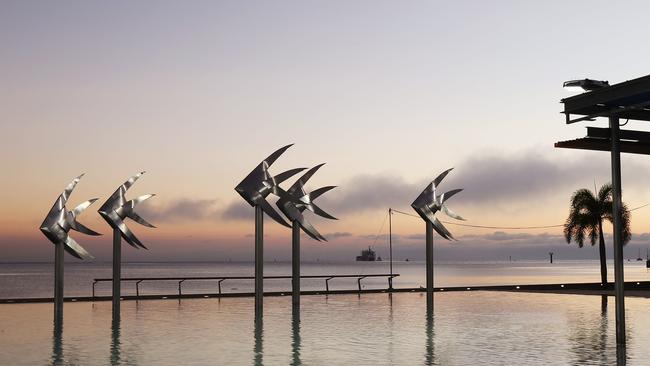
626,100
634,142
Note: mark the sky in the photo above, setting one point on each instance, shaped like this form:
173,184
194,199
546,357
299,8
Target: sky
388,94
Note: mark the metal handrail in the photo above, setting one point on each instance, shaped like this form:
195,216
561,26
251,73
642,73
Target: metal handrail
220,279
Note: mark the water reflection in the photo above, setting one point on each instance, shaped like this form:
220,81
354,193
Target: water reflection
57,342
259,340
590,340
429,358
116,358
295,338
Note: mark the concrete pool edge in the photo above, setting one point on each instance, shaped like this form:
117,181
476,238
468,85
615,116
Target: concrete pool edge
633,289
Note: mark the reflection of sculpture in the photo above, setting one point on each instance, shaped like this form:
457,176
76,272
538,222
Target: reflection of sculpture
117,208
259,183
59,221
296,200
428,203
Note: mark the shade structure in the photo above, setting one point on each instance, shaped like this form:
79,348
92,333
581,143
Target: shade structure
627,100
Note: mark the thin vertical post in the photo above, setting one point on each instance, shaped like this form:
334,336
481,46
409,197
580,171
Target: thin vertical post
390,247
58,282
117,271
619,281
429,264
259,262
295,263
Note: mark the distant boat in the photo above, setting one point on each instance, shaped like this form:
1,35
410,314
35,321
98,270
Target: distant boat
367,255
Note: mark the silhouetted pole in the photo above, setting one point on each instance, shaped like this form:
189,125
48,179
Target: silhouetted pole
619,282
390,247
550,254
259,262
117,271
58,283
295,263
429,264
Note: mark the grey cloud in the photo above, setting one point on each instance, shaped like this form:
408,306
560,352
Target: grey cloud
368,192
337,235
415,237
488,178
518,238
179,210
238,210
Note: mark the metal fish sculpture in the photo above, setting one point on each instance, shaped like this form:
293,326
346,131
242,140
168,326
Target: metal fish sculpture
428,203
296,200
117,208
60,220
259,183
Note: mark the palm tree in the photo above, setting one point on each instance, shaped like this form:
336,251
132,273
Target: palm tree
586,217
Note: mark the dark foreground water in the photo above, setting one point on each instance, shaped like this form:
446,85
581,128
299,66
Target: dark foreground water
477,328
19,280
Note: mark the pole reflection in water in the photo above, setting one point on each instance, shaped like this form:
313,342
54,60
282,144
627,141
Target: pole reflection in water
591,341
429,355
57,342
116,358
259,342
295,338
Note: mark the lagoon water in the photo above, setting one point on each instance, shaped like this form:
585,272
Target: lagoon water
18,280
487,328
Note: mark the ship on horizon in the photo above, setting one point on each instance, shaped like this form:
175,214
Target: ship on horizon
367,255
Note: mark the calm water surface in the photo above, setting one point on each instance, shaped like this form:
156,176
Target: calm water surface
486,328
36,280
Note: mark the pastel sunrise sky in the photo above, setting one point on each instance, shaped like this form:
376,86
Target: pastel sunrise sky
388,94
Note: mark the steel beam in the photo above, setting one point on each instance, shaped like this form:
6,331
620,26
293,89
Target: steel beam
295,264
117,272
58,282
429,264
259,262
619,283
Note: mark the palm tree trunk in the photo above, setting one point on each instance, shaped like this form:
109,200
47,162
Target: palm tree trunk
603,254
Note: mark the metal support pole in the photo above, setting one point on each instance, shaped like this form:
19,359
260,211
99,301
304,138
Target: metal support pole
117,271
259,262
619,282
137,289
180,290
327,285
58,283
94,283
221,280
295,264
390,247
359,282
429,264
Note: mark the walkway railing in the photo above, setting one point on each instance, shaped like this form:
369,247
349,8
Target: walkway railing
221,279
